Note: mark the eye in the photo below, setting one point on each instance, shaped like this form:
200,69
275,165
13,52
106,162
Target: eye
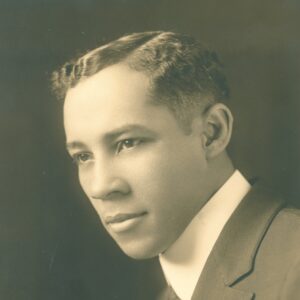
127,144
81,158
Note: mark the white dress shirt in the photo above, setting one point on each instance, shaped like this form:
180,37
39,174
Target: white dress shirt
184,261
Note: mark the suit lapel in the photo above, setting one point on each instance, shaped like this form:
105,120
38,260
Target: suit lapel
233,255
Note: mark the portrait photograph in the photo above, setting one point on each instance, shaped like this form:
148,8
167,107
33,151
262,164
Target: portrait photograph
150,150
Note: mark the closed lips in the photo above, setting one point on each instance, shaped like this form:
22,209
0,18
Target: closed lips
122,217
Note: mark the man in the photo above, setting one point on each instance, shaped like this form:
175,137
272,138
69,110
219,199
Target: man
146,122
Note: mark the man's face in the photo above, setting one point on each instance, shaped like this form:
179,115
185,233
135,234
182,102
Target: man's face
144,176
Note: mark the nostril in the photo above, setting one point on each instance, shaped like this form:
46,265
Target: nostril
110,189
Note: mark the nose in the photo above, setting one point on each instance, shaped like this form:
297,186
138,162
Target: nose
106,184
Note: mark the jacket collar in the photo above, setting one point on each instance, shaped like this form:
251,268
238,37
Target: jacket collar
234,252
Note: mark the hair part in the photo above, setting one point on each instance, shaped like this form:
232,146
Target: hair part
185,75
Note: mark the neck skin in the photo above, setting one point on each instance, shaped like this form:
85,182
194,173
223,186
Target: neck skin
219,170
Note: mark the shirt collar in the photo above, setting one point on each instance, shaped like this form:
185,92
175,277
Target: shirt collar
184,261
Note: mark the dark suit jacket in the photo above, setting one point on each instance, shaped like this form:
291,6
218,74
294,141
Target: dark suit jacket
257,255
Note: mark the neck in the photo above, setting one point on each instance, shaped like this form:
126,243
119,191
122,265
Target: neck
219,170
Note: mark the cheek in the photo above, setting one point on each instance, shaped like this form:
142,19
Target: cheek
84,180
165,174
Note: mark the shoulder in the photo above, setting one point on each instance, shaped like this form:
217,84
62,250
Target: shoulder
282,238
276,266
291,212
291,287
280,243
288,217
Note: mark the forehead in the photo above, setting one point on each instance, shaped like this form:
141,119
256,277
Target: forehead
110,90
112,81
116,96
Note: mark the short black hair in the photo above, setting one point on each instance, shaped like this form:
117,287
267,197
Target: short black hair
184,73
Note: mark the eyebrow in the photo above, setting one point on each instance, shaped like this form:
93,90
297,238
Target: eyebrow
113,135
75,145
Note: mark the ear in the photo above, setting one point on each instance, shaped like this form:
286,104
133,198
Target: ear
217,129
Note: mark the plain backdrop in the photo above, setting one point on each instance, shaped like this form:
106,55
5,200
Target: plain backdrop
51,243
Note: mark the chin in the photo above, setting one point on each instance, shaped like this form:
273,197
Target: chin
139,252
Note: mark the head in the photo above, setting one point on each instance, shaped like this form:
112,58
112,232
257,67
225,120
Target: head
145,121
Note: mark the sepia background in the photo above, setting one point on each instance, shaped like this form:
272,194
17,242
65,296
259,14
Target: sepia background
51,243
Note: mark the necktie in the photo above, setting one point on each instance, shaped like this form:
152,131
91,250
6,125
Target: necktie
171,294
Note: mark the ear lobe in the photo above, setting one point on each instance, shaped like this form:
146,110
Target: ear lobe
218,122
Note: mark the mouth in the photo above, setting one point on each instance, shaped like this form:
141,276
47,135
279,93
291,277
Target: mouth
123,222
